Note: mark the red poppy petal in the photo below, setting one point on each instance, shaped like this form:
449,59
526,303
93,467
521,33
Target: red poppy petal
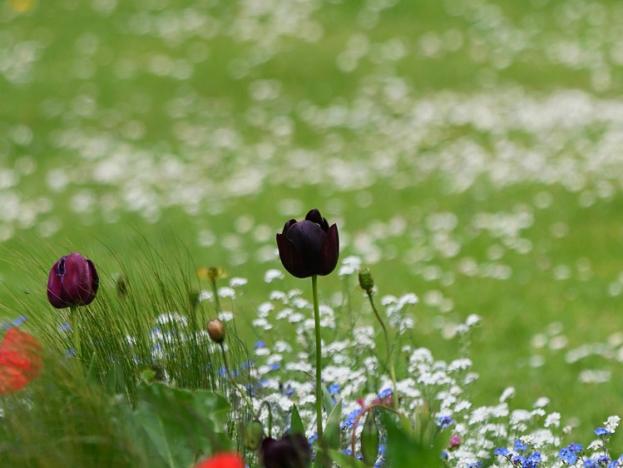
222,460
20,360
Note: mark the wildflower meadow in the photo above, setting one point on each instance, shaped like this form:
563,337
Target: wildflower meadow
311,233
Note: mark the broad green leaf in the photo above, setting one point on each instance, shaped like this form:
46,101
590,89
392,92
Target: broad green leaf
370,439
180,423
332,431
406,451
345,461
296,423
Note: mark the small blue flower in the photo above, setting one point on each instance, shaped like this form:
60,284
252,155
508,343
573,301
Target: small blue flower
603,459
477,464
602,431
444,454
575,447
64,327
334,389
275,366
568,455
385,393
590,463
533,460
519,446
444,421
260,344
312,438
501,451
19,321
518,460
350,419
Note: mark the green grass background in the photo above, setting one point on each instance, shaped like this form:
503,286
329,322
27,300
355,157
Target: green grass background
513,310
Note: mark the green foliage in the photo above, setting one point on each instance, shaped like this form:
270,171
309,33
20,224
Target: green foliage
345,461
296,424
179,425
332,431
405,450
370,439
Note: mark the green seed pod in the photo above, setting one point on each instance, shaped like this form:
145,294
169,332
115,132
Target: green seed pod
253,434
365,280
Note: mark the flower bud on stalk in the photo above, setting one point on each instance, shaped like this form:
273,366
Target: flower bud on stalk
216,331
72,282
366,282
253,435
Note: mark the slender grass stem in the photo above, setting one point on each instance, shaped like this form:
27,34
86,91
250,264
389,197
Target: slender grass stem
240,390
390,362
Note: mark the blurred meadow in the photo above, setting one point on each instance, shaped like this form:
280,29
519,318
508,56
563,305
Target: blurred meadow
470,152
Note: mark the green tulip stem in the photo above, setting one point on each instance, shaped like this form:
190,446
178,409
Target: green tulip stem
390,362
217,303
75,332
318,360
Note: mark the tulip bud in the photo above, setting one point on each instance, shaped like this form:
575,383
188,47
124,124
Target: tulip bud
366,282
73,281
253,435
309,247
216,331
291,450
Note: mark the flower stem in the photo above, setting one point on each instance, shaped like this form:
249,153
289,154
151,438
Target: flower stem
75,332
217,303
390,362
318,360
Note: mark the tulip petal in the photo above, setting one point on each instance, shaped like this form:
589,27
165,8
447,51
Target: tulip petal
94,282
287,225
291,259
55,288
315,217
330,251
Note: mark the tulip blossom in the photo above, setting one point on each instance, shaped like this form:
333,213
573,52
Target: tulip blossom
72,282
291,451
222,460
309,247
20,360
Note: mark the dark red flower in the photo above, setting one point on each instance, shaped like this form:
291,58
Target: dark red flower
72,281
291,451
20,360
222,460
309,247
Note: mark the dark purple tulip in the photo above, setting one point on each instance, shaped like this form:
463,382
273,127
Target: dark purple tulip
309,247
291,451
72,281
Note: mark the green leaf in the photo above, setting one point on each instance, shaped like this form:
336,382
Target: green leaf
370,439
328,402
178,423
345,461
406,451
296,423
332,431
